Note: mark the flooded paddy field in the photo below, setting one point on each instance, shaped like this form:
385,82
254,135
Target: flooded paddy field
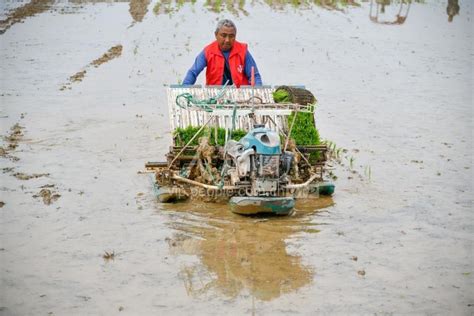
83,107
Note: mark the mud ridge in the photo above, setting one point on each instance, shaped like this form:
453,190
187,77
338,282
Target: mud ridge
24,176
77,77
23,12
113,52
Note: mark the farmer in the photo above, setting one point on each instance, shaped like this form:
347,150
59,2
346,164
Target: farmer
227,60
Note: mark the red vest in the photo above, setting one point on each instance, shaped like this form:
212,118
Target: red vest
216,61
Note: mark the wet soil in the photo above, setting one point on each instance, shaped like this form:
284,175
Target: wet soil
113,52
77,77
394,100
11,142
24,176
108,255
47,195
138,9
21,13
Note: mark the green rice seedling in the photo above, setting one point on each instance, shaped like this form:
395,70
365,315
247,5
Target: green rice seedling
351,162
156,8
281,96
368,172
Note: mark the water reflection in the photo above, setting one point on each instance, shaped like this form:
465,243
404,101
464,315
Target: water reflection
169,6
241,253
237,7
378,8
95,1
138,9
390,12
452,9
378,15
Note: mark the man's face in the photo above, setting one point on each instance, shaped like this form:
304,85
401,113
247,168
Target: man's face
225,37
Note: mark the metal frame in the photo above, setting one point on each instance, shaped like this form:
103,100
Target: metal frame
184,117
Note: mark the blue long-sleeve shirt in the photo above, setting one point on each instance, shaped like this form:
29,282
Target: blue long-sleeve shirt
200,63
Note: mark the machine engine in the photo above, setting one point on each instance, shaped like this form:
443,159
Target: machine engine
258,163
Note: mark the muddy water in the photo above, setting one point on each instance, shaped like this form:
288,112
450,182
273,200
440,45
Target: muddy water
237,252
396,98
